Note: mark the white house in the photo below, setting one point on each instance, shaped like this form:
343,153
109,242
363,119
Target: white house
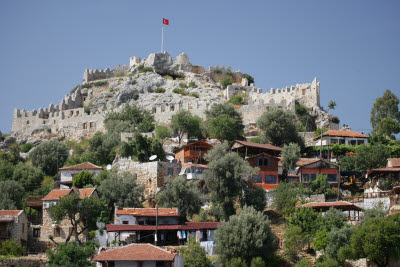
341,137
67,173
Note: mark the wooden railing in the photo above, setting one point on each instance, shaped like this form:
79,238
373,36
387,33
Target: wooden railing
34,201
360,199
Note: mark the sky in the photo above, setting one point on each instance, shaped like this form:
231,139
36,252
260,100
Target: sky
352,47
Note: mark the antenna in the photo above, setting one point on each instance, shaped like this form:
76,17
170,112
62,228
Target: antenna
153,157
108,168
170,158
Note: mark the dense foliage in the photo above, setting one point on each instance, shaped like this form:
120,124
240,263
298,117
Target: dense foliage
141,148
83,179
49,156
194,255
71,254
184,122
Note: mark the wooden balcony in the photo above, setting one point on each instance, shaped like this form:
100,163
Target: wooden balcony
194,153
34,201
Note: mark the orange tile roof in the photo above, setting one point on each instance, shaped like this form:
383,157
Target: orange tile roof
163,212
59,193
136,252
82,166
10,212
342,134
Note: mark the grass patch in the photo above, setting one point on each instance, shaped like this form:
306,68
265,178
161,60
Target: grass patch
159,90
225,81
196,95
192,84
183,85
238,99
119,73
87,107
180,91
167,77
95,84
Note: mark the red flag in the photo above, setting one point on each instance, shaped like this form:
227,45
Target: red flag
165,21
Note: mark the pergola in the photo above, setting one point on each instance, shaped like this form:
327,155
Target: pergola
340,205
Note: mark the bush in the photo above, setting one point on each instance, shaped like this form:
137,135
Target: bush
194,255
111,90
217,71
26,147
11,248
238,99
146,69
119,73
196,95
83,179
87,107
159,90
303,263
183,85
335,119
179,91
225,81
300,109
249,78
192,84
71,254
49,156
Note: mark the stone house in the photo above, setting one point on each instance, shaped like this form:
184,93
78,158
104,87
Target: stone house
67,173
137,255
13,225
49,227
193,152
267,176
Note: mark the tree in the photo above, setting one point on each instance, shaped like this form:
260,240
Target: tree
320,185
142,148
29,177
82,179
121,190
163,133
131,119
11,195
224,122
385,114
338,238
6,170
217,152
254,196
249,78
332,104
182,194
102,147
326,262
194,255
83,214
285,197
11,248
378,240
333,218
257,262
279,127
291,155
246,235
303,263
321,240
371,156
71,254
376,211
236,262
294,242
224,180
184,122
49,156
307,219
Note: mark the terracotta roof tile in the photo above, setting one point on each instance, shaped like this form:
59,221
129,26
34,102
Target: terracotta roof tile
342,134
186,226
59,193
86,192
136,252
10,212
82,166
162,212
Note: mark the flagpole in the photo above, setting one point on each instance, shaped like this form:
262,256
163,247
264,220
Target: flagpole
162,38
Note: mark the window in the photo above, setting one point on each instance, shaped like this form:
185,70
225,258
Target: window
84,126
204,236
270,179
332,178
353,142
262,161
91,125
308,178
171,108
36,232
360,142
125,222
341,142
57,232
334,141
257,179
27,122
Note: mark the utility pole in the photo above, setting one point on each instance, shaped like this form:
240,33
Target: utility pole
155,238
320,147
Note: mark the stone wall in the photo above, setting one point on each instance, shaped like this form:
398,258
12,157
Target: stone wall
150,174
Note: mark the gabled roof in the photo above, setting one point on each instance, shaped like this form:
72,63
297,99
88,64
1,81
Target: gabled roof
187,226
10,212
136,252
197,143
342,134
262,154
256,145
82,166
139,212
59,193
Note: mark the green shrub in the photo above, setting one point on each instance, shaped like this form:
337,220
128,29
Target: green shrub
225,81
183,85
217,71
335,119
192,84
249,78
87,107
303,263
159,90
119,73
26,147
111,90
131,74
181,79
179,91
146,69
238,99
196,95
167,77
11,248
300,109
100,83
75,88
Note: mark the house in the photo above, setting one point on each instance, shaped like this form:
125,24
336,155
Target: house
67,173
193,152
392,169
49,227
13,225
267,176
137,255
307,170
161,226
247,149
341,137
193,171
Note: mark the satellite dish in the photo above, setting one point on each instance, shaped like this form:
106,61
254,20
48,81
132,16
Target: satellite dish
170,158
153,157
108,167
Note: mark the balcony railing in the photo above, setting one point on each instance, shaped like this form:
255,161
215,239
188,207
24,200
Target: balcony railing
34,201
194,153
360,199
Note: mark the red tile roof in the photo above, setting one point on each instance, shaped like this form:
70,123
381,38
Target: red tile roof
162,212
136,252
187,226
342,134
59,193
10,212
263,146
82,166
342,205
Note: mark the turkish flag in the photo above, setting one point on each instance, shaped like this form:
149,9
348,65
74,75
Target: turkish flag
165,21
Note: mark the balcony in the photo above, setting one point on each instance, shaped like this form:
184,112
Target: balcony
194,153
